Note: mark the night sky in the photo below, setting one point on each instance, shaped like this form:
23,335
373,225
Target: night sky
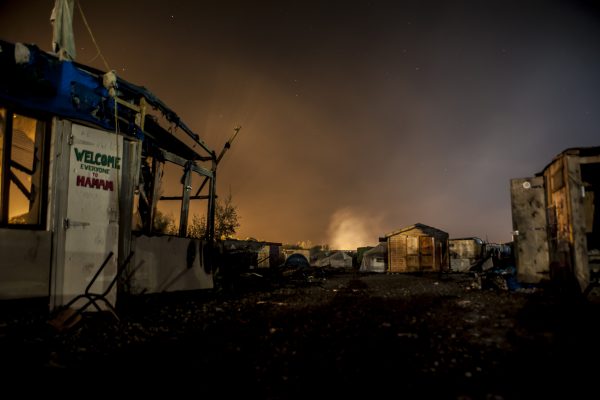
358,118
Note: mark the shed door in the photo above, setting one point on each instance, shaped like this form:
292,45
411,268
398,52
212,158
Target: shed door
426,252
397,253
92,213
412,253
528,203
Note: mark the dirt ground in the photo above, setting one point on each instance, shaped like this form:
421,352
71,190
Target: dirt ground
342,334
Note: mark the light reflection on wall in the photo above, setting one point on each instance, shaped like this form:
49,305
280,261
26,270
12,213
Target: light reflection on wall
2,129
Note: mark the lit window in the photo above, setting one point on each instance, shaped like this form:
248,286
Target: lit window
21,168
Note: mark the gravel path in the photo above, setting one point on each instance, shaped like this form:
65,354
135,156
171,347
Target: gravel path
343,335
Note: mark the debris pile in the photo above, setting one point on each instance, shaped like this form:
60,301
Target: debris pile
499,273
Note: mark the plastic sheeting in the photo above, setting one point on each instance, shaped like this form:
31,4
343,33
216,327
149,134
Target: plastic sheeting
374,260
63,39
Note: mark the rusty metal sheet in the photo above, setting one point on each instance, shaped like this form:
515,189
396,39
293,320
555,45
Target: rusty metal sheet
528,203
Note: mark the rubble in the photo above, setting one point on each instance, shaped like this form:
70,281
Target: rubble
495,272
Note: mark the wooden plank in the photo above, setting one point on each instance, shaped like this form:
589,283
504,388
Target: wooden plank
577,225
412,245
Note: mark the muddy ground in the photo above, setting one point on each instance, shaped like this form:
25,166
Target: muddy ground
341,334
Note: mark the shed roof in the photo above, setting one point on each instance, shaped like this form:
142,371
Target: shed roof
478,240
573,151
76,91
380,249
415,226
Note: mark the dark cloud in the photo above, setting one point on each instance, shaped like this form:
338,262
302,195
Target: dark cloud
379,113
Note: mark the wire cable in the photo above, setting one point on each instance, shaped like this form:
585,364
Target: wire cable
92,36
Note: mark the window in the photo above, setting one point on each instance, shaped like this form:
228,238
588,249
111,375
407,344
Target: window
22,140
178,181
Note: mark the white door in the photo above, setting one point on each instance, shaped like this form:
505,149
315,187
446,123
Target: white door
91,227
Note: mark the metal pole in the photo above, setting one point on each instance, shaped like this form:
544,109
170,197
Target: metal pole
185,201
210,219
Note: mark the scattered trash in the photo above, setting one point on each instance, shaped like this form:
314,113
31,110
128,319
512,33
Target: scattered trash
498,273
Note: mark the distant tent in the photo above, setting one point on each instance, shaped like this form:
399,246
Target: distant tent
297,260
360,252
339,259
374,260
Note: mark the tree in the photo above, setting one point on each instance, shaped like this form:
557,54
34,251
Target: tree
164,223
303,244
197,228
318,251
226,220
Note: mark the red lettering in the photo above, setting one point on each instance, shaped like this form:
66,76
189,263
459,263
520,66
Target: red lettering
95,183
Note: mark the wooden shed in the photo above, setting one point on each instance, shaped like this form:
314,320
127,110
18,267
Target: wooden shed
556,222
417,248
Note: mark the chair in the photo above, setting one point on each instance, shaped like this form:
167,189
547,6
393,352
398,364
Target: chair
93,298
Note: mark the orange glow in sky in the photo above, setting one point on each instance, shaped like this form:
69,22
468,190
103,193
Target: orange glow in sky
358,118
